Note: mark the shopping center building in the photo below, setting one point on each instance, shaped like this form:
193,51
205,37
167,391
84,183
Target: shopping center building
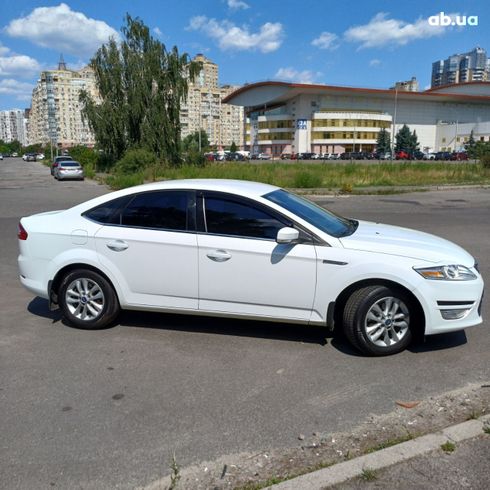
295,118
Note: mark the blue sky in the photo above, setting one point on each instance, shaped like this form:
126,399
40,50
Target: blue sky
355,43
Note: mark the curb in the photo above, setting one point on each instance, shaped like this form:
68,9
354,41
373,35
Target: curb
341,472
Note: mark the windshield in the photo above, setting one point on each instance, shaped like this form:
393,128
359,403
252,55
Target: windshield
317,216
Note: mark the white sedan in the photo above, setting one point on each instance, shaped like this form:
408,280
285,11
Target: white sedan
247,250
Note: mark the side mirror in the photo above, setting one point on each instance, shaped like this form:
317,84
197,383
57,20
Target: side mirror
287,235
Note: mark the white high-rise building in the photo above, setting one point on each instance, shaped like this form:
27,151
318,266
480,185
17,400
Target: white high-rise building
204,109
12,126
56,111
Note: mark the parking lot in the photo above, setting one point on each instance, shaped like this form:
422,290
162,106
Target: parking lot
106,409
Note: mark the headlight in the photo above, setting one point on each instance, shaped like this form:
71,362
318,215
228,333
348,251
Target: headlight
447,273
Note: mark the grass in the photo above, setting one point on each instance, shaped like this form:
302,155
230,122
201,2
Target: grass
368,474
279,479
347,177
389,443
175,475
448,447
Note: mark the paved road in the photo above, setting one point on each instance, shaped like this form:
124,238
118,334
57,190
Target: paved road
107,409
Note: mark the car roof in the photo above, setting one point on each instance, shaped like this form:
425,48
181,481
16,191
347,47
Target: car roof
240,187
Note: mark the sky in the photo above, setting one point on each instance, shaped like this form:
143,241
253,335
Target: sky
370,43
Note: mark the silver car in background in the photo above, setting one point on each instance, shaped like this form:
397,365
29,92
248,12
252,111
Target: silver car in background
69,170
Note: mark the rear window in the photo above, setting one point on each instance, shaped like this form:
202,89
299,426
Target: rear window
69,164
110,212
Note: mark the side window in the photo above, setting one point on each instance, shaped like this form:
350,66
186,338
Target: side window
108,213
160,209
228,217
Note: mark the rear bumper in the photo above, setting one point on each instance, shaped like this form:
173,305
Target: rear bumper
31,275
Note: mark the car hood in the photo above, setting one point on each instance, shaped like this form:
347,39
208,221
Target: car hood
404,242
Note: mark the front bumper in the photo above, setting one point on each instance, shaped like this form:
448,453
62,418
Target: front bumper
442,299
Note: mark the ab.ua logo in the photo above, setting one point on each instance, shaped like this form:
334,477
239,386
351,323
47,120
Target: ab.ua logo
441,19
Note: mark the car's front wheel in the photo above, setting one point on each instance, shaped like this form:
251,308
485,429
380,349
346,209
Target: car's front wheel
377,320
87,300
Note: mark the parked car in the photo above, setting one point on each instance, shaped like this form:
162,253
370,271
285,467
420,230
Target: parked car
264,156
443,155
39,156
15,154
59,159
285,156
29,157
402,155
459,156
383,155
247,250
315,156
1,156
429,156
305,156
333,156
68,169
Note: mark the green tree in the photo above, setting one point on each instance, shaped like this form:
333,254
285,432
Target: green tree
84,155
191,141
383,143
470,146
233,147
141,86
406,141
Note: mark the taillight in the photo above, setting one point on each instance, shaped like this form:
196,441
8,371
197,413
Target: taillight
22,233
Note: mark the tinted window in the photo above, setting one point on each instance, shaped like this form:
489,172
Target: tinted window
321,218
109,212
165,209
228,217
69,164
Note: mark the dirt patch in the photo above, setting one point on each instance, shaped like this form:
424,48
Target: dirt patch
409,419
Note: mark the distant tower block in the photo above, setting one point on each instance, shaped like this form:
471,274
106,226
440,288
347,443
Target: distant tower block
61,63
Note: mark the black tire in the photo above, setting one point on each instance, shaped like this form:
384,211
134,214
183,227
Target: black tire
391,324
100,309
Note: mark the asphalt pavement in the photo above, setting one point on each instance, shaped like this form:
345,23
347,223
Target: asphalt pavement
108,409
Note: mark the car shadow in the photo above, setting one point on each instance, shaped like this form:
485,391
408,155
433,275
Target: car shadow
442,341
311,334
40,307
226,326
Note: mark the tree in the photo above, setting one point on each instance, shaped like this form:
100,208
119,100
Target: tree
406,141
191,141
233,147
141,86
471,146
383,143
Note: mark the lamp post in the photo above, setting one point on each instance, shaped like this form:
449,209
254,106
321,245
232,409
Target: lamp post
394,123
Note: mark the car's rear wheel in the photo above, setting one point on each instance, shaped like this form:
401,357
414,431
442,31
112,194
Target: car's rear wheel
87,300
377,320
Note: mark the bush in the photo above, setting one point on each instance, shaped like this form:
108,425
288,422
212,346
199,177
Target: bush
195,158
485,160
307,180
121,181
134,161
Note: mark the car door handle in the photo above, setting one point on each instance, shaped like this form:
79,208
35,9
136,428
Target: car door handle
219,255
117,245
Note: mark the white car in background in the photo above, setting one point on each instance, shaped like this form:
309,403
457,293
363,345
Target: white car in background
247,250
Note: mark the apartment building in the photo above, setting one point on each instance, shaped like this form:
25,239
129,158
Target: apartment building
13,126
473,66
411,85
55,114
204,109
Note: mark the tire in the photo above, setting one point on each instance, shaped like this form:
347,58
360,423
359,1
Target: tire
376,320
87,300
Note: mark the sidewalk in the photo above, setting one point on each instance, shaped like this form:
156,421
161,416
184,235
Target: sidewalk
415,464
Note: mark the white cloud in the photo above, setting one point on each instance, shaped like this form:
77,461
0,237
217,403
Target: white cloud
375,62
237,4
381,31
18,65
62,29
231,37
326,40
292,75
3,50
21,90
157,31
